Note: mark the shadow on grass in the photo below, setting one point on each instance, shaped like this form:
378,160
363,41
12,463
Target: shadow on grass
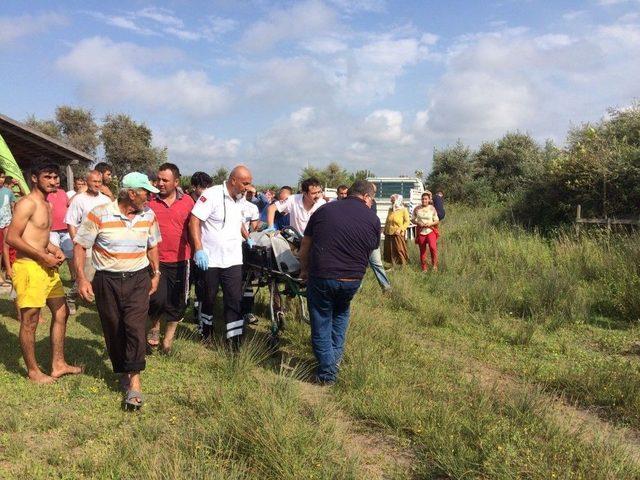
78,351
89,320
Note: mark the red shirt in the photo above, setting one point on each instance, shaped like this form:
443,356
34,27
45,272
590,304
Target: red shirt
58,201
174,227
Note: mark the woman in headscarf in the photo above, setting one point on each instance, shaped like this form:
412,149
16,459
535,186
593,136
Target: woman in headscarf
426,218
395,228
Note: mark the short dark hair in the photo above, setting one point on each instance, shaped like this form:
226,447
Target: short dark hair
310,182
103,167
2,172
201,179
8,179
287,187
342,187
45,167
170,166
362,188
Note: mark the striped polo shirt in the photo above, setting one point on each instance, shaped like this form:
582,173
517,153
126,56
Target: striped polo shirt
118,244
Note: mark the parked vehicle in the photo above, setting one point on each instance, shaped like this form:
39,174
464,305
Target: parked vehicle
410,188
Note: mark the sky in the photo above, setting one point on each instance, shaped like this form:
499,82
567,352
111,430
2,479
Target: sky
279,85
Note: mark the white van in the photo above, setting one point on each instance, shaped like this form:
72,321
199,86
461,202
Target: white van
411,190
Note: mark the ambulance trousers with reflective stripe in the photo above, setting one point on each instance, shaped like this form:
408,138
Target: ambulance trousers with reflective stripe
231,280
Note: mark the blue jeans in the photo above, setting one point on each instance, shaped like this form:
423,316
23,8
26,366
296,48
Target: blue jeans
375,262
329,302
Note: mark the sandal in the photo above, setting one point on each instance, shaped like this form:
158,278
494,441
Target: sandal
133,400
153,338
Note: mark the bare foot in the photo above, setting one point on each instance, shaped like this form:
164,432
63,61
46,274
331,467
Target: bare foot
65,369
40,378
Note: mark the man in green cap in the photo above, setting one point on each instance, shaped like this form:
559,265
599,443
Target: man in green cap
124,237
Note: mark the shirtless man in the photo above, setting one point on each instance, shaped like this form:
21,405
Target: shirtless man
35,274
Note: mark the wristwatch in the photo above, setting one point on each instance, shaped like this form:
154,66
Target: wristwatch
157,273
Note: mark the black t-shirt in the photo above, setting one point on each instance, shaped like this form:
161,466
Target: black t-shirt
344,234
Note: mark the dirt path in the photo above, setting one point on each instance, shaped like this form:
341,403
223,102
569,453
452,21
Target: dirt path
380,456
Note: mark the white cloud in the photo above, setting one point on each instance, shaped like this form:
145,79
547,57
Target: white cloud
325,45
286,81
125,22
517,80
302,20
379,142
197,151
370,72
13,28
353,6
385,127
160,15
159,21
111,74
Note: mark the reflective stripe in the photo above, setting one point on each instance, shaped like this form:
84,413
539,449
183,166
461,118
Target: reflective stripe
248,293
234,333
206,319
236,324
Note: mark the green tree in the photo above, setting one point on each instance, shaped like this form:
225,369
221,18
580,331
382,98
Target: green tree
361,175
312,172
220,175
128,145
48,127
452,171
508,163
335,175
79,128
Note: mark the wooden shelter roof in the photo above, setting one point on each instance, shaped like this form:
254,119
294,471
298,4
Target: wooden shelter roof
28,145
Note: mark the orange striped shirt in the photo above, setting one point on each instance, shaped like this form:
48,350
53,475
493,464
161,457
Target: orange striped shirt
118,244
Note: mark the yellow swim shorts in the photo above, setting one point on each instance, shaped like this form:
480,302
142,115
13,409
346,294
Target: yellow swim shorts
35,284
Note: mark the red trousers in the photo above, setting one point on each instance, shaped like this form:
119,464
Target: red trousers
430,240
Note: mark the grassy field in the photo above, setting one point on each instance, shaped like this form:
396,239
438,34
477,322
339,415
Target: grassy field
516,360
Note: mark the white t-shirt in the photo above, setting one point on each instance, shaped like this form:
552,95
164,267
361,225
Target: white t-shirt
71,193
222,226
80,206
250,213
298,215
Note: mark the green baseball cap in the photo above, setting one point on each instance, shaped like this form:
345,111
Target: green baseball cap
138,180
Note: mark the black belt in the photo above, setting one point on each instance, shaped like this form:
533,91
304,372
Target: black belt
107,273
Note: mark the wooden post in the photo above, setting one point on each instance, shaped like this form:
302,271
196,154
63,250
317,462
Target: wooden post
69,173
578,218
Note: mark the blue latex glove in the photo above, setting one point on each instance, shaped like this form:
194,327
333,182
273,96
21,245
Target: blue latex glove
201,259
251,242
270,229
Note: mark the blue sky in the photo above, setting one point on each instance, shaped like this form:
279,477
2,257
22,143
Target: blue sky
278,85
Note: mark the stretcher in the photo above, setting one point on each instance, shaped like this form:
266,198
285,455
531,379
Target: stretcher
273,263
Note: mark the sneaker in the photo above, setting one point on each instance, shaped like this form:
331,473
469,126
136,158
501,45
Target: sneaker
250,318
71,305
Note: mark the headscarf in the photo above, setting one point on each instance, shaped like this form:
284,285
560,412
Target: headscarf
397,203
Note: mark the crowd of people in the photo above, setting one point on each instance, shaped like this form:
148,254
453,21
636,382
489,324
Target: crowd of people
137,252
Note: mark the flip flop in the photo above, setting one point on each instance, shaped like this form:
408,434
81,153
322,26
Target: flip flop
153,336
129,402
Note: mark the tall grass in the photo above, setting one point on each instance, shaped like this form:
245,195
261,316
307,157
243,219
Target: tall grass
501,269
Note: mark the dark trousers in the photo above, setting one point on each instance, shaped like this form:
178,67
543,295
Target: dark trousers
231,280
122,300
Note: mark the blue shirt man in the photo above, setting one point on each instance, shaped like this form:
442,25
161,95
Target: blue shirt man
334,254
